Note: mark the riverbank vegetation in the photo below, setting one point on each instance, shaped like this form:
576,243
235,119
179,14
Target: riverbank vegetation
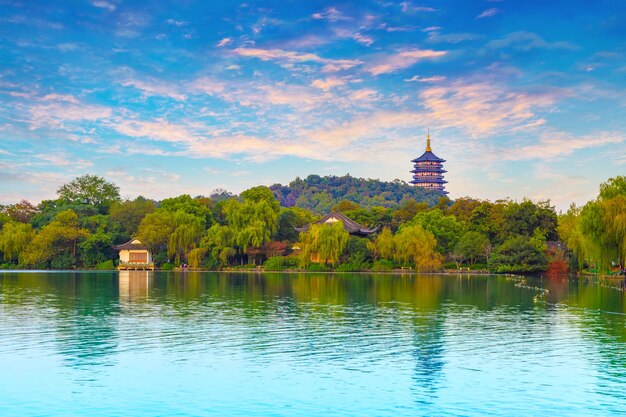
417,229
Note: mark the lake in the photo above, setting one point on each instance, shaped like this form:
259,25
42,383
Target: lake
218,344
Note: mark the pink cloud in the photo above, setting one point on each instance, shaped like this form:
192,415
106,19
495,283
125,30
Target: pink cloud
403,59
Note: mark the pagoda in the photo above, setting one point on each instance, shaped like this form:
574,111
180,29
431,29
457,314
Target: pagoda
428,170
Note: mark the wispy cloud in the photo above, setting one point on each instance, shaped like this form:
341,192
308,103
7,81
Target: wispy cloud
403,59
488,13
103,4
151,87
330,65
525,41
557,145
223,42
331,14
433,79
481,108
327,83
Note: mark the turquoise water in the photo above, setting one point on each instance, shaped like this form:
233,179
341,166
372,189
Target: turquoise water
170,344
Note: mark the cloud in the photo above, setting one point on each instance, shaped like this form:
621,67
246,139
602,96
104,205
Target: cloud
488,13
433,79
160,130
151,87
60,97
403,59
223,42
330,14
525,41
56,114
103,4
482,108
328,83
363,39
556,145
61,160
407,7
330,65
177,23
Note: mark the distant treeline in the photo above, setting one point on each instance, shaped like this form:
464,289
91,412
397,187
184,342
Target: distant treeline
320,194
417,229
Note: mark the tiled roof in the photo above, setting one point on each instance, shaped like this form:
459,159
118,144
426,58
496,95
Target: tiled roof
349,225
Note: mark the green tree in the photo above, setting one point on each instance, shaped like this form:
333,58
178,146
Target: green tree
416,244
290,218
14,239
130,213
90,189
155,230
186,236
324,243
473,246
56,243
383,246
446,229
199,207
21,212
518,255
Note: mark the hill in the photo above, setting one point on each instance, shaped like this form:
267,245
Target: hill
320,194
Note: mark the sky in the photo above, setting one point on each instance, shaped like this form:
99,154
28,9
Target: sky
523,99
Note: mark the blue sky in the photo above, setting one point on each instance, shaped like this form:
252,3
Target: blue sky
164,98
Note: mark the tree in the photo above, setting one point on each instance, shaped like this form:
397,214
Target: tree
446,229
219,242
414,243
97,247
14,239
324,243
290,218
90,189
186,235
383,246
21,212
155,229
130,213
462,208
525,217
254,220
345,205
518,255
472,246
56,243
198,207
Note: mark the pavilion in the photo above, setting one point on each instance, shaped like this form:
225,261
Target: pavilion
352,227
134,255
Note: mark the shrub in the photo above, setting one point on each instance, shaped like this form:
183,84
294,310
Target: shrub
167,266
316,267
106,266
383,265
280,263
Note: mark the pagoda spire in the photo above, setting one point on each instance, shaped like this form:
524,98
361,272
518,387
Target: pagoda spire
428,148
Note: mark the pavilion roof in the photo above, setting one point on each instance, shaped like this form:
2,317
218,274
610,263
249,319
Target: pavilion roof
349,225
133,244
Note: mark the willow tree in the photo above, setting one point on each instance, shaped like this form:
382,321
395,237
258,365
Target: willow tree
414,243
383,246
188,231
59,239
219,243
324,243
253,220
14,239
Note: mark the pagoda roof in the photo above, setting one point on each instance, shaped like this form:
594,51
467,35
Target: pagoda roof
429,157
133,244
349,225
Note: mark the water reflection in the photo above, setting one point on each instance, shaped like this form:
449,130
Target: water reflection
135,285
419,342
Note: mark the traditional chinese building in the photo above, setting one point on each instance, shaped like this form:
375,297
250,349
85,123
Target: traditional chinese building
134,255
349,225
428,170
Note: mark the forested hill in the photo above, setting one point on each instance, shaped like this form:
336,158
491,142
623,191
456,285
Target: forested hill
320,194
